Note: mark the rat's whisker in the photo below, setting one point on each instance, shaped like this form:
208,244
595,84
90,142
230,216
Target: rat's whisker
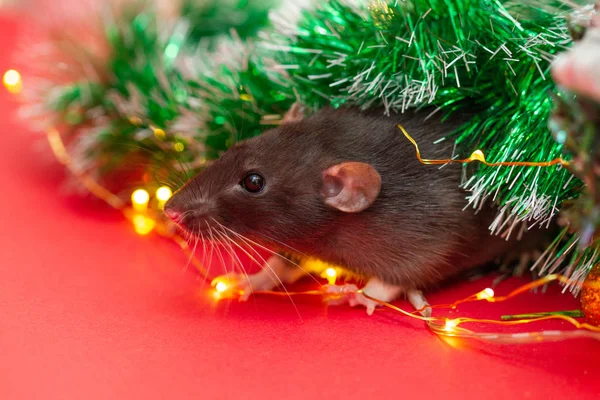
265,264
192,253
185,214
245,239
212,248
296,264
223,240
203,259
215,243
186,236
203,248
229,242
219,252
250,241
284,245
231,245
252,258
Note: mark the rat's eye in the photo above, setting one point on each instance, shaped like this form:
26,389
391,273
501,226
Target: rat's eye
253,182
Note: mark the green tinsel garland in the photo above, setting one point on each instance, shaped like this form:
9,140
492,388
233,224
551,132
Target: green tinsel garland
144,108
184,106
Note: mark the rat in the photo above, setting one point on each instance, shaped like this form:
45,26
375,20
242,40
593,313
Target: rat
344,186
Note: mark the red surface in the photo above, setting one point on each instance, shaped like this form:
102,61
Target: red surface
90,310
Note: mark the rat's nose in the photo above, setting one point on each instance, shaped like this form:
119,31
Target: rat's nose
173,209
173,214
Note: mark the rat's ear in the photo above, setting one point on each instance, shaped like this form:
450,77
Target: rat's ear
294,114
351,186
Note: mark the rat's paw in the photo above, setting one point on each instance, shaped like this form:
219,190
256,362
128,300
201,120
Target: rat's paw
340,294
360,300
350,294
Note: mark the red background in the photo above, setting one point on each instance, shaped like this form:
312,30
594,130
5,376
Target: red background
89,309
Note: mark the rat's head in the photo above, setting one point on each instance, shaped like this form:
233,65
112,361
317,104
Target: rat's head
279,187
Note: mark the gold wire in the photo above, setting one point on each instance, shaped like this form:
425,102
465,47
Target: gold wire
478,155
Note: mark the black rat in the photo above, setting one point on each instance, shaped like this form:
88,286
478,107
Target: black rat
345,186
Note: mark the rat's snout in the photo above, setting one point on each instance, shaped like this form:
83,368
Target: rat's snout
173,209
173,214
190,215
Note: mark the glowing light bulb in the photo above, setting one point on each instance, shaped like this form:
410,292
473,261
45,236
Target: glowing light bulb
485,294
159,133
221,287
142,224
12,81
478,156
331,275
179,147
450,325
137,121
140,199
163,193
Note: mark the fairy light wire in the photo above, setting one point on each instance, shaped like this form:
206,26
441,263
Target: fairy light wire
443,326
478,155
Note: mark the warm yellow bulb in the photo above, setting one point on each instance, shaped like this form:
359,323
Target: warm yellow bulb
450,325
179,147
140,197
478,156
12,81
137,121
485,294
163,193
331,274
159,133
142,224
220,287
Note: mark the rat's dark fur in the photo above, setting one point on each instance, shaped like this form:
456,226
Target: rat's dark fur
413,235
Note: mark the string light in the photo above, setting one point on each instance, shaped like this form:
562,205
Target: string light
450,325
221,287
163,194
478,155
485,294
179,147
159,133
12,81
143,224
331,275
140,199
324,270
439,325
137,121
